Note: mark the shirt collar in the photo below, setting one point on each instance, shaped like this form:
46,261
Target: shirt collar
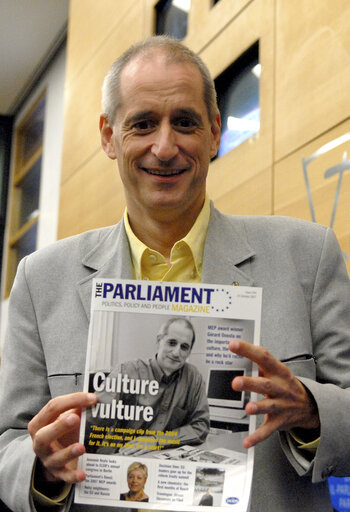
160,375
194,239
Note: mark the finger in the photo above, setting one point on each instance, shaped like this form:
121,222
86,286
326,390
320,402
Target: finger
261,433
261,385
62,465
72,476
259,355
267,406
61,458
45,438
69,475
59,405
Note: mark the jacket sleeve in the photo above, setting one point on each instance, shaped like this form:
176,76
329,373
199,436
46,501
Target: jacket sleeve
330,327
23,392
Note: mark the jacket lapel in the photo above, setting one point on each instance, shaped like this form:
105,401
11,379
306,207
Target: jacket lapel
227,252
110,258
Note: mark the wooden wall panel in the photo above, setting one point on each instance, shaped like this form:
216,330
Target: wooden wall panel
93,197
254,155
83,95
90,24
205,20
312,70
89,179
250,195
290,188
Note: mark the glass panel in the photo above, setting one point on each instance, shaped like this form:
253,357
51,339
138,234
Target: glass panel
25,190
238,98
30,188
27,243
31,132
172,17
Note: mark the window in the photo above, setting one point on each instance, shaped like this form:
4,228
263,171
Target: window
5,147
172,17
25,190
238,99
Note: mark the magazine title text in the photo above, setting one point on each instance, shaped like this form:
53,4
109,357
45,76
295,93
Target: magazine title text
124,385
151,292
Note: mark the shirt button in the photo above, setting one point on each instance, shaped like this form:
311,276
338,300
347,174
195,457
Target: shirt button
193,273
152,258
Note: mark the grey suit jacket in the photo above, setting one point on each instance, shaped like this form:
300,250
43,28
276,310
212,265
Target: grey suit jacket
305,322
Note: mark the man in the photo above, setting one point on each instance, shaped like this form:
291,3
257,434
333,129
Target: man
179,403
162,125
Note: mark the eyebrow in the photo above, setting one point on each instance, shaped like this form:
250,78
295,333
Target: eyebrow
189,112
139,116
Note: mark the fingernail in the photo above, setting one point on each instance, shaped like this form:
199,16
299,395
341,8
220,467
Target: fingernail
71,419
253,408
234,345
77,450
238,383
91,398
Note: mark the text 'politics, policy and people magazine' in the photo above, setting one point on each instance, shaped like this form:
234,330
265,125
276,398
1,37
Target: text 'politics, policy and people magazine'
167,429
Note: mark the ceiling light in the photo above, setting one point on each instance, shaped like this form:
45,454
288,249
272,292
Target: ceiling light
183,5
242,125
256,70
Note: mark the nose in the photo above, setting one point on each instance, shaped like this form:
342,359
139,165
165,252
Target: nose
164,146
176,350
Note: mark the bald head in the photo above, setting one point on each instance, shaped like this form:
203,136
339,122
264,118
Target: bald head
173,52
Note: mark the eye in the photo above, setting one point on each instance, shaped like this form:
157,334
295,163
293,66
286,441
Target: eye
185,124
145,125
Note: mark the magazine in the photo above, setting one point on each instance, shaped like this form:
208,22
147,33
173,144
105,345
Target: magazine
168,428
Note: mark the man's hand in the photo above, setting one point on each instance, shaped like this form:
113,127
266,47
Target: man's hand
286,405
55,432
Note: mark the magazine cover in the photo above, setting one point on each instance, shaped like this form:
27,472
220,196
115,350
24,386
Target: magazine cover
167,429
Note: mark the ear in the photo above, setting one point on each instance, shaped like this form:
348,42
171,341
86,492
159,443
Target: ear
216,135
107,141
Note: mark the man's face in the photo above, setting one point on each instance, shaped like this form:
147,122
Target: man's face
162,137
174,347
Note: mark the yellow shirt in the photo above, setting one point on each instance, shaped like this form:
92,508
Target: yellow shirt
186,257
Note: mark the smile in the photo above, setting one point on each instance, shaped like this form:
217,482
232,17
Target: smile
165,174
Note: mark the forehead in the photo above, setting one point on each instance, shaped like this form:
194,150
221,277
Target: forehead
179,330
137,472
152,81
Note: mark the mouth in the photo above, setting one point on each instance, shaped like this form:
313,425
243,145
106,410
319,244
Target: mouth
174,360
164,173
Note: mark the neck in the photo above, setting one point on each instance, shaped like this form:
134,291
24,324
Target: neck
136,496
159,232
